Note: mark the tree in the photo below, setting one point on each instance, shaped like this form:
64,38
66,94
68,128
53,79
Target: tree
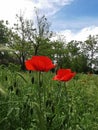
74,57
91,49
19,39
29,39
3,32
41,35
4,36
58,52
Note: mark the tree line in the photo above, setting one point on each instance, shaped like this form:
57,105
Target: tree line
27,38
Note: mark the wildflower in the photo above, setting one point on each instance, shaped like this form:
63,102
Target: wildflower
39,63
64,75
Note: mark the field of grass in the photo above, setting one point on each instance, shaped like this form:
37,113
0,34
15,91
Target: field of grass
27,103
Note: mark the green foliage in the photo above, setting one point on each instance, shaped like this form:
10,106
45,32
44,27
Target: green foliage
74,58
14,67
27,38
71,106
3,33
91,49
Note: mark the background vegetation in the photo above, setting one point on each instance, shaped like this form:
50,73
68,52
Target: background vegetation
64,106
26,38
70,107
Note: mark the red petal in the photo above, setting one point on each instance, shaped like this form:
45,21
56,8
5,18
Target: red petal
28,64
42,63
56,77
64,75
63,71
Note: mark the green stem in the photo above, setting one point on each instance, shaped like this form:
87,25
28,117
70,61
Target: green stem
39,88
67,102
40,101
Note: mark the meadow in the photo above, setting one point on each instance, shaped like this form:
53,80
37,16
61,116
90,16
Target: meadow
54,105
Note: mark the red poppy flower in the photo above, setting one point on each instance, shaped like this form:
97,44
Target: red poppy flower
64,75
39,63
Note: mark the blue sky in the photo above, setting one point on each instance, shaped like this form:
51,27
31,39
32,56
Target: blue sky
74,19
77,15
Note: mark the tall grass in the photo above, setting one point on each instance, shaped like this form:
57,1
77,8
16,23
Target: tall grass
52,106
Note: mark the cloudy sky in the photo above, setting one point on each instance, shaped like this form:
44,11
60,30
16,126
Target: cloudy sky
75,19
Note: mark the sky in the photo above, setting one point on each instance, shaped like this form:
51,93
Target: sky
72,19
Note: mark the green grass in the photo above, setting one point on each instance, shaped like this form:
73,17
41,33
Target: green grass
24,105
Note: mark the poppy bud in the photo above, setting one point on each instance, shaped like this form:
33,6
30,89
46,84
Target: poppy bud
6,78
25,105
15,84
31,111
53,109
17,91
32,80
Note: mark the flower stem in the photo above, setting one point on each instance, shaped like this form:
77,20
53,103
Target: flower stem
40,101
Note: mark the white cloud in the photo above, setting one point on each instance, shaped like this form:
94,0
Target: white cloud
9,8
81,35
85,32
50,7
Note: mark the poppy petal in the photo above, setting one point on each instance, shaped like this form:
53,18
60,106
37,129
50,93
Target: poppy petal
64,75
40,63
29,66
